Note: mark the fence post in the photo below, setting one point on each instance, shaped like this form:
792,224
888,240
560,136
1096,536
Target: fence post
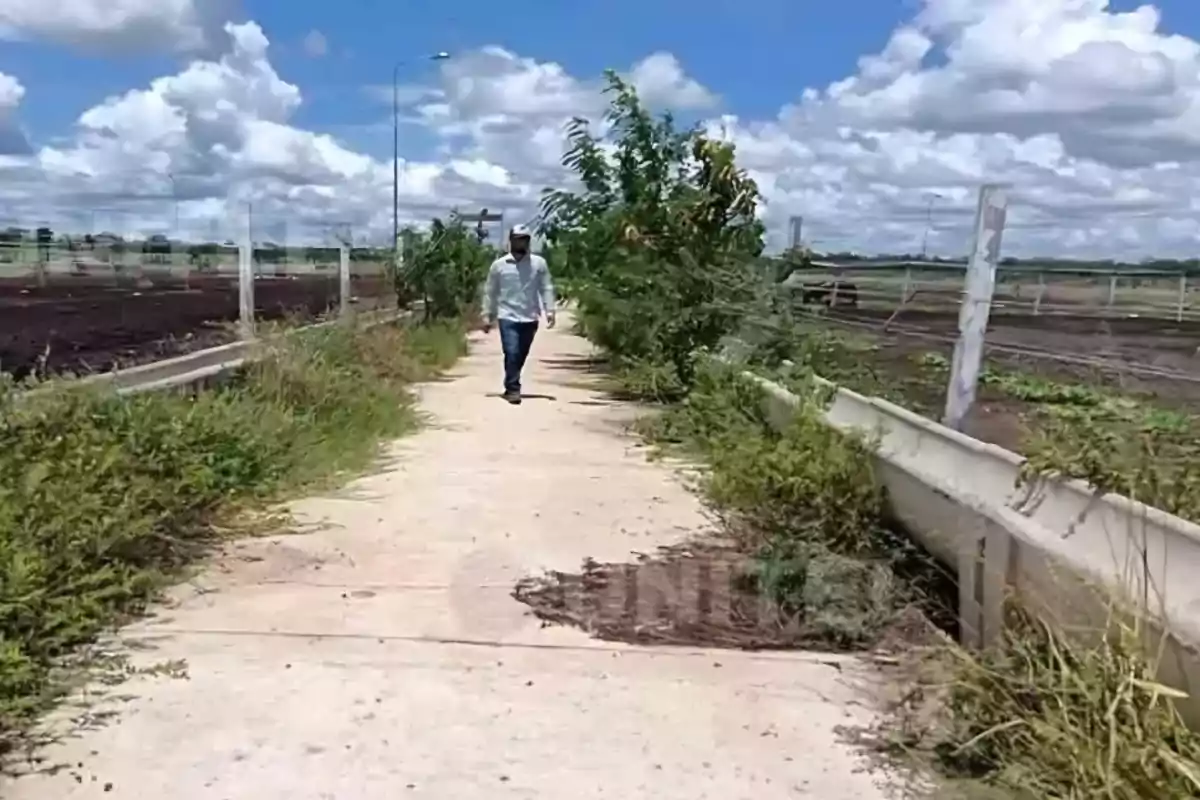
1112,291
1041,292
907,284
246,285
977,303
1179,306
187,265
40,267
345,310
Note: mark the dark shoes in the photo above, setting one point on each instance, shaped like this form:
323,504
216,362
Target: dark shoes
513,398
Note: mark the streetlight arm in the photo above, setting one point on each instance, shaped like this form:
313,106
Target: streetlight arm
441,55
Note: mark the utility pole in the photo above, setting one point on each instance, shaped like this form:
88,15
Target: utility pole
482,217
796,225
175,202
928,224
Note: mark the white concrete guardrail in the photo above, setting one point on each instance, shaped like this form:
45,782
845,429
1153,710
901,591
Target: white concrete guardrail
1051,542
207,364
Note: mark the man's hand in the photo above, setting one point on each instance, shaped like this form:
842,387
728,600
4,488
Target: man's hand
550,320
487,325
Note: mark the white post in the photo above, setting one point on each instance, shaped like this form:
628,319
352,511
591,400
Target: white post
977,304
187,268
344,308
246,284
1112,291
1041,292
139,271
39,266
1182,301
907,283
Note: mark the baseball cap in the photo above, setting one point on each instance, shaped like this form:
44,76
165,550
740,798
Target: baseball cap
519,230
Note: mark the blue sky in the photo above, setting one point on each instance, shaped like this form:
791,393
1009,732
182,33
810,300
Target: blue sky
756,54
1121,122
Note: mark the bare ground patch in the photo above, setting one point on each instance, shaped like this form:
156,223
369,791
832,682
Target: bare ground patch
705,594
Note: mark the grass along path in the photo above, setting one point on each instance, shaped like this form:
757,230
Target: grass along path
1075,424
104,501
382,654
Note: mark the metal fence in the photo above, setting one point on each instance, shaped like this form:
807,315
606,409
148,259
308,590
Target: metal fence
130,255
172,266
88,302
938,230
1103,317
1019,289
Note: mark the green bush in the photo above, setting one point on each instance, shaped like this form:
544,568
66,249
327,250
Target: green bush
445,268
811,482
803,503
103,497
657,247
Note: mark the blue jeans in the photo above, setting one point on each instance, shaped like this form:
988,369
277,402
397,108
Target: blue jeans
515,338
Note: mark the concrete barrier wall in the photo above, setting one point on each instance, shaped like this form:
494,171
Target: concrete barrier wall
1052,542
203,366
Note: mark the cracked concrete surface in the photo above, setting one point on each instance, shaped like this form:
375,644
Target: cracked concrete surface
382,657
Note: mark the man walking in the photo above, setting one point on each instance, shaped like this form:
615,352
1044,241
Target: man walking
518,286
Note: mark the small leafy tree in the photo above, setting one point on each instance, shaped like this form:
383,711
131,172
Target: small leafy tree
445,267
657,243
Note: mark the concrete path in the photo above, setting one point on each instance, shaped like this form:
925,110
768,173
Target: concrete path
382,657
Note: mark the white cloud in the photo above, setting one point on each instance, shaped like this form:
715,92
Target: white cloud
11,92
315,44
661,82
1091,115
13,141
137,24
216,137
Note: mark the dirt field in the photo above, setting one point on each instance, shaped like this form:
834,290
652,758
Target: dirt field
1155,361
83,325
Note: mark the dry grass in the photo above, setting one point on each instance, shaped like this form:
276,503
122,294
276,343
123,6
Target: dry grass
104,499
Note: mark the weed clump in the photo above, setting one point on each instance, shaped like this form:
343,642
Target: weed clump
803,503
103,498
1047,713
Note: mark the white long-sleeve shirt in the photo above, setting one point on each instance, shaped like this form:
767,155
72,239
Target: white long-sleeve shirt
517,290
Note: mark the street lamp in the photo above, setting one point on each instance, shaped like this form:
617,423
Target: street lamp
175,202
441,55
928,223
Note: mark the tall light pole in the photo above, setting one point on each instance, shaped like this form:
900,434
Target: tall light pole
175,201
796,226
928,223
441,55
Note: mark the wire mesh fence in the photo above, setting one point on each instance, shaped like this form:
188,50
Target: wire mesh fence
916,260
88,300
1020,289
1132,322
